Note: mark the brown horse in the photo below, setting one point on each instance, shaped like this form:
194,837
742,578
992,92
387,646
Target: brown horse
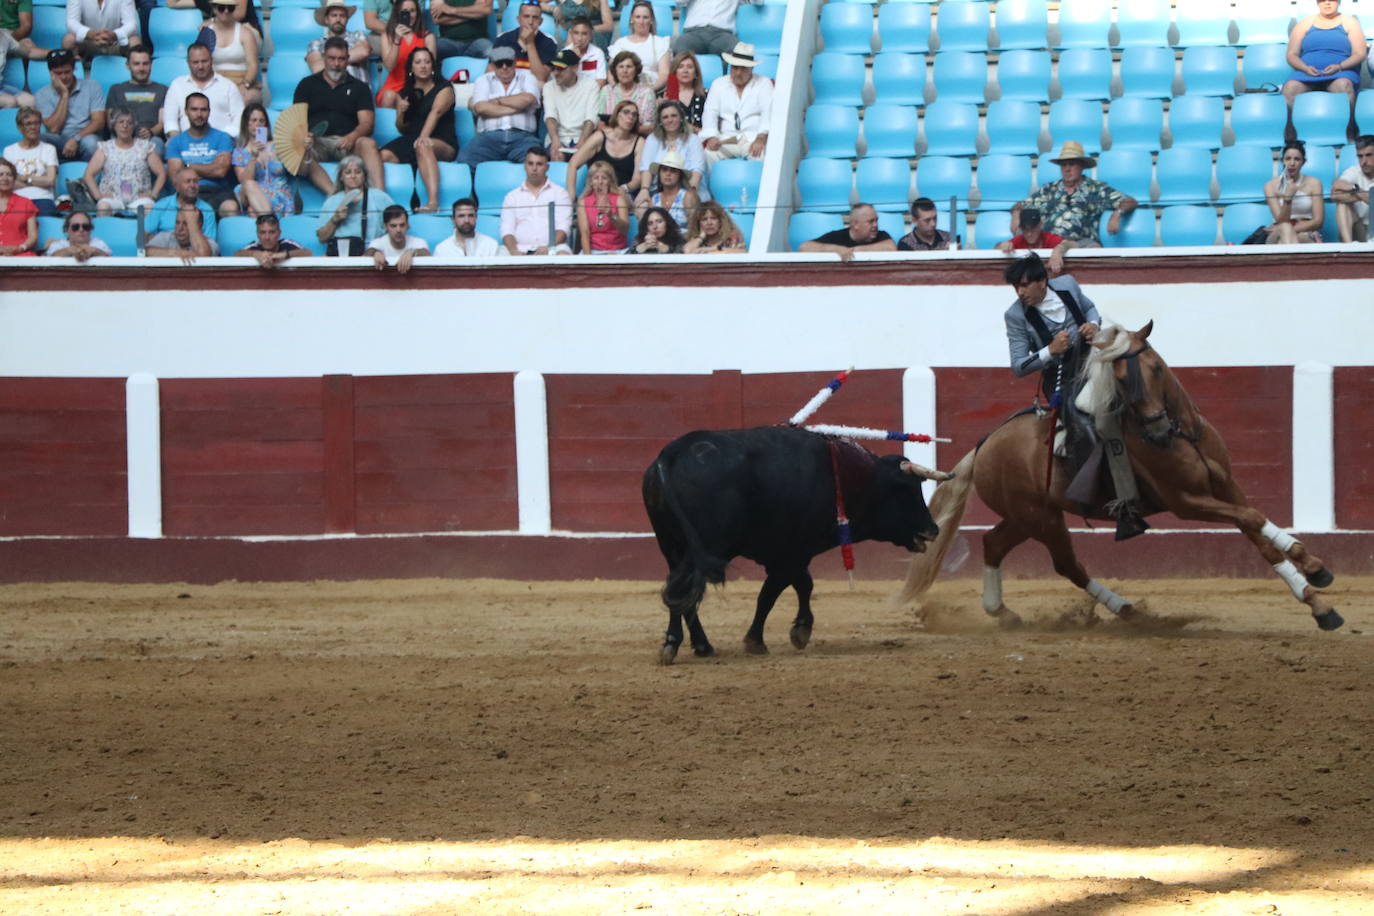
1181,466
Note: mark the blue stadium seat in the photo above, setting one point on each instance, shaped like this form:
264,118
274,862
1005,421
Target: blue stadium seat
663,19
956,224
119,233
1321,163
744,221
37,75
1147,72
292,28
904,27
492,181
838,79
847,27
1086,73
1260,21
172,31
991,227
884,183
891,130
1203,23
943,177
1084,23
761,26
1348,159
9,129
1321,117
1210,71
475,66
831,130
384,128
962,26
1183,225
166,69
1076,119
1242,172
1258,118
1022,24
1130,171
432,227
1137,229
733,181
768,66
1003,180
49,228
108,69
804,226
1013,127
310,198
951,129
400,182
1364,111
235,232
1185,175
893,222
825,185
1196,120
1265,65
1143,23
961,76
49,25
12,78
1135,123
899,78
1239,220
455,183
284,73
1024,75
301,230
712,68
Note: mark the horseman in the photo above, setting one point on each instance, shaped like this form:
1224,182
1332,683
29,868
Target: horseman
1049,327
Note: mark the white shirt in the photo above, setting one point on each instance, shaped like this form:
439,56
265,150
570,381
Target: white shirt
525,215
718,13
593,65
62,244
1055,312
649,52
118,16
1353,176
226,104
31,164
489,87
571,108
392,254
479,246
731,113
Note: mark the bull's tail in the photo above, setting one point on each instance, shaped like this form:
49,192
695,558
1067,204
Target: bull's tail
688,577
947,510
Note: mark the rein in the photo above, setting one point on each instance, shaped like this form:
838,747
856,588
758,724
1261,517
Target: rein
1135,393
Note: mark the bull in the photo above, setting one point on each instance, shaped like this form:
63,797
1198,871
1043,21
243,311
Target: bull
768,494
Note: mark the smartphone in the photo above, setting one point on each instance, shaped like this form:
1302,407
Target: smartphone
403,17
260,134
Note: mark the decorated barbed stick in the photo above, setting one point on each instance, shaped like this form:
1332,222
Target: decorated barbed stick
862,432
821,397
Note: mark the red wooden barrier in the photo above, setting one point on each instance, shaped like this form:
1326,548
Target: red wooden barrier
1354,447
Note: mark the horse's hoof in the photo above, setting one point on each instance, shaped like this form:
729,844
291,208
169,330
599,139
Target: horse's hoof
1007,619
667,654
706,650
1321,578
800,636
755,647
1330,620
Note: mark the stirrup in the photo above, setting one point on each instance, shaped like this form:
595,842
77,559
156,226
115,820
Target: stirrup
1128,526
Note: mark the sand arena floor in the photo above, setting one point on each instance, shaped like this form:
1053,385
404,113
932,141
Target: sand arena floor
431,747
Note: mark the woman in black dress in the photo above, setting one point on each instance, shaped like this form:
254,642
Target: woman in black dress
424,116
619,144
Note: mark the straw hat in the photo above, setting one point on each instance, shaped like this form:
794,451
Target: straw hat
1073,152
742,55
328,5
670,159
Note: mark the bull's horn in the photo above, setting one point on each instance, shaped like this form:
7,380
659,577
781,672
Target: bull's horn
921,470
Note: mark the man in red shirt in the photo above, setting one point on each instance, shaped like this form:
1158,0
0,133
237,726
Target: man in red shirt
1033,235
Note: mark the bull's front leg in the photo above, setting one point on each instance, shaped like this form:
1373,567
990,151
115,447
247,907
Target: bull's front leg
801,627
768,596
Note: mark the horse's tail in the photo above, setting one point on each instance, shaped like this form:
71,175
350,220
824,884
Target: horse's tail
947,509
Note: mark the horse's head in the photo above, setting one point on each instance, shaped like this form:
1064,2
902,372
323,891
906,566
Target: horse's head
1124,372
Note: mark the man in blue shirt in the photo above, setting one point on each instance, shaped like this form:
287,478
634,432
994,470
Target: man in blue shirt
207,152
73,110
163,216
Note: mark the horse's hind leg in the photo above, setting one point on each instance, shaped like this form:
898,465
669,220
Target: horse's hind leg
997,543
1057,541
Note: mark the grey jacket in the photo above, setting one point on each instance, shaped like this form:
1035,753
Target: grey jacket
1026,344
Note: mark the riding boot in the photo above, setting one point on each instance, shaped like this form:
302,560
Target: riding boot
1126,504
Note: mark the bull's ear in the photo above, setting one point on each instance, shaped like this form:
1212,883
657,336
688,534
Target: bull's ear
917,470
1145,331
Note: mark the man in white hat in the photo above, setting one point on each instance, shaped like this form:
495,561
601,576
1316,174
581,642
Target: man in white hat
739,107
708,27
334,16
1072,207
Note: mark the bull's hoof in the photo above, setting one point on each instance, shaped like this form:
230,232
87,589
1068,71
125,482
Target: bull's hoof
1330,620
667,654
800,636
754,646
705,650
1321,578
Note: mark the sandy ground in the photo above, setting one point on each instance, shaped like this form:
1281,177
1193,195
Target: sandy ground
429,747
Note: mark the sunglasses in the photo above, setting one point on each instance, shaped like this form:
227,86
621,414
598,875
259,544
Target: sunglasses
80,227
505,63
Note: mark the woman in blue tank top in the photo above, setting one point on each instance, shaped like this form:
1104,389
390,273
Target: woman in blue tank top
1326,51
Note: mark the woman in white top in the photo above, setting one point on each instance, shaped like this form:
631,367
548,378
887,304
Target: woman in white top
34,161
234,49
1295,200
646,44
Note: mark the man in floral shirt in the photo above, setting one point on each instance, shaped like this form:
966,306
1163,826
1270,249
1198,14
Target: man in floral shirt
1072,207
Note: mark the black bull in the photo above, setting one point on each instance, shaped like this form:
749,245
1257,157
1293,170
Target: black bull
768,494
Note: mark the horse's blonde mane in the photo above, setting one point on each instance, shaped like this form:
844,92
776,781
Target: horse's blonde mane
1098,394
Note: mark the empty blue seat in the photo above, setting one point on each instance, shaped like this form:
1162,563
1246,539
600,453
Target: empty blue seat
1084,23
1321,117
805,226
961,76
734,182
1265,65
49,229
1242,172
292,28
475,66
50,24
455,183
119,233
1137,229
1076,119
400,181
285,73
1185,175
893,222
838,79
904,27
1210,71
1259,118
1196,120
1259,21
825,185
108,69
899,78
884,183
1179,226
1143,23
1203,23
1024,75
1364,111
891,130
991,227
432,227
831,130
172,31
1130,171
1003,180
712,68
166,69
9,128
1136,123
1013,127
235,232
962,26
492,181
847,27
761,26
1147,72
951,129
301,230
943,177
1348,159
1238,221
1086,73
1321,164
1022,24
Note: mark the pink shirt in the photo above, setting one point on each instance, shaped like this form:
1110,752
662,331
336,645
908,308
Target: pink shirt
605,236
525,215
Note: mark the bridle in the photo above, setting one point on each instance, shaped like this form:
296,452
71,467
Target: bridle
1135,393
